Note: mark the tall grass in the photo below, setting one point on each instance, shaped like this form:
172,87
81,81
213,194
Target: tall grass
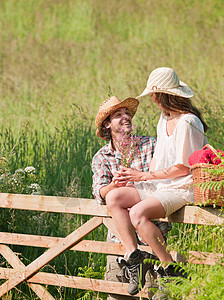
59,60
63,160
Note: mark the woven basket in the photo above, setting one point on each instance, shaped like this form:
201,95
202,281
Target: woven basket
200,175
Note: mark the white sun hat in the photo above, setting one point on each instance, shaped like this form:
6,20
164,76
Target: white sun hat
165,80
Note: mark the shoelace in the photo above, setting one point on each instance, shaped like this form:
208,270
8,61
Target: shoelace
128,272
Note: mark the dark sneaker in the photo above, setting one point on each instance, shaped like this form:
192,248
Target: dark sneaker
122,276
160,271
171,271
175,271
165,273
136,269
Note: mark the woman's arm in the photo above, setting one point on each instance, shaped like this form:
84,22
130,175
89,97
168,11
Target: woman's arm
128,174
171,172
152,164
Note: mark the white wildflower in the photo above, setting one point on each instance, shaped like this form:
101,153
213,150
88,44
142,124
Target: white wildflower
13,179
34,187
30,170
19,171
2,177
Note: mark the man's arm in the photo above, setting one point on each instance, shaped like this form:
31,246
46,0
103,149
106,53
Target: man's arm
102,178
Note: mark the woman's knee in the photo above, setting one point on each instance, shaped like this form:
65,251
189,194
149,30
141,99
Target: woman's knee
112,198
124,197
136,216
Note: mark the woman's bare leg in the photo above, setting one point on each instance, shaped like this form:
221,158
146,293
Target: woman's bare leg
141,215
118,202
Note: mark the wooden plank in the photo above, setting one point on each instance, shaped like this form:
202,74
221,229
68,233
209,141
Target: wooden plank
53,204
41,291
12,259
16,263
196,215
76,282
48,242
195,257
109,223
29,240
50,254
205,258
188,214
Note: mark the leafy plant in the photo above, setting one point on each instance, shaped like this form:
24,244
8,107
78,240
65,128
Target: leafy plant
93,270
218,172
206,284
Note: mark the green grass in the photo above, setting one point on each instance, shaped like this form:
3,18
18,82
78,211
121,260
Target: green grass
62,161
59,60
56,53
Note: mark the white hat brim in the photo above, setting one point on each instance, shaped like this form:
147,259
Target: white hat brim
182,90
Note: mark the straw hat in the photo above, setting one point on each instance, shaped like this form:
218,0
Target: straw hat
165,80
112,104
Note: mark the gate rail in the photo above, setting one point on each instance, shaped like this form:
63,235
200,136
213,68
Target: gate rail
75,241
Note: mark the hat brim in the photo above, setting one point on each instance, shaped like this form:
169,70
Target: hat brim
182,90
130,103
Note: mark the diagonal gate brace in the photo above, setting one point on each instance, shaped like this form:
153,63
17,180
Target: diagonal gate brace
69,241
16,263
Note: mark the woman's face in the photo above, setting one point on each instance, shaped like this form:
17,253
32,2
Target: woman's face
154,99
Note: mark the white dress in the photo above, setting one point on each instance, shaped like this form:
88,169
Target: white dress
188,136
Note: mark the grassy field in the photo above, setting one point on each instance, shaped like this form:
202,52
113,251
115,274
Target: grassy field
60,59
55,53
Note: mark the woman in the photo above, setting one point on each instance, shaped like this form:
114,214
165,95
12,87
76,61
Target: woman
168,185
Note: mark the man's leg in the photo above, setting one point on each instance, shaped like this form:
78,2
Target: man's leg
112,271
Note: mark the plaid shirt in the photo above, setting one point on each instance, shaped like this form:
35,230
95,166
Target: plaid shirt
107,161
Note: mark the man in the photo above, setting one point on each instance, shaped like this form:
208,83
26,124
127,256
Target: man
114,119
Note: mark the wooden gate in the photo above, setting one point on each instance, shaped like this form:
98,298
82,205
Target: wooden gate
75,241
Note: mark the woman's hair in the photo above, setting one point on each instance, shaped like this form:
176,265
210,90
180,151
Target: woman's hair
105,132
178,104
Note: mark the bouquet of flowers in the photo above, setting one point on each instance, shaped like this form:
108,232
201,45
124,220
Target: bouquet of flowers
128,146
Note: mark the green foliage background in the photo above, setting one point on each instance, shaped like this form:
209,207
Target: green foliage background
55,53
60,59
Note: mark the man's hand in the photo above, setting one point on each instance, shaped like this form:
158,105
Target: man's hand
113,185
119,181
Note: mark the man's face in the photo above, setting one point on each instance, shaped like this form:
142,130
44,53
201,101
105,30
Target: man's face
120,120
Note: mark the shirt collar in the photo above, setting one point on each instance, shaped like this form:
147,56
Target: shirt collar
110,150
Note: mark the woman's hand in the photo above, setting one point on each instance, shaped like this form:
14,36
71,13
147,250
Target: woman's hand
128,174
119,181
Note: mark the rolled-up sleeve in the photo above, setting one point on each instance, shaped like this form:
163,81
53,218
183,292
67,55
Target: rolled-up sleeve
101,176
